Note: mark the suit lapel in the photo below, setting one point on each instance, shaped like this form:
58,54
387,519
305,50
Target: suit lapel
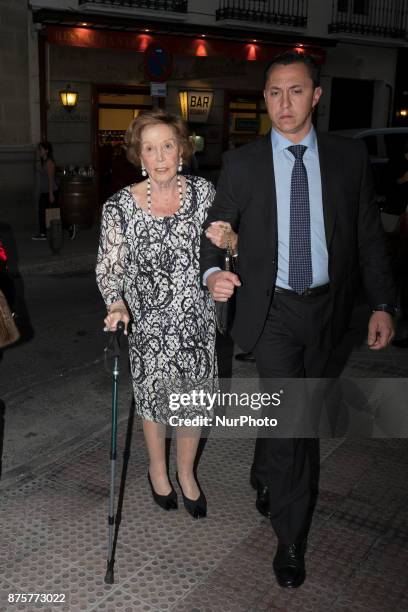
330,167
266,181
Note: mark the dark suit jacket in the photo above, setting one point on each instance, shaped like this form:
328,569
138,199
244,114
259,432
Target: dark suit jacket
246,197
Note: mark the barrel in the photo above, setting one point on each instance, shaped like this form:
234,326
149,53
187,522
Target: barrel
78,201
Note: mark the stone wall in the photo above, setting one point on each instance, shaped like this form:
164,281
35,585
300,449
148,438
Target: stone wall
17,154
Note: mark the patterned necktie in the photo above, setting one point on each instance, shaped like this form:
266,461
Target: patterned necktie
300,252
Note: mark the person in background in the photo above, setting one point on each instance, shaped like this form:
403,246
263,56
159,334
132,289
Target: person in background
48,189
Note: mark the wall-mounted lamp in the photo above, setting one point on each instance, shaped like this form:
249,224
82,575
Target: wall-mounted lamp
251,52
201,49
68,98
183,99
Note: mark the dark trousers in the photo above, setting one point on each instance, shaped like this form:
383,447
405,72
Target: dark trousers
295,343
43,204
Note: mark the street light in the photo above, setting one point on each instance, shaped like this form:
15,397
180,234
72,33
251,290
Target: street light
68,98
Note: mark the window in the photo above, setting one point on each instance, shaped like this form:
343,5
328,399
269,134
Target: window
247,118
360,7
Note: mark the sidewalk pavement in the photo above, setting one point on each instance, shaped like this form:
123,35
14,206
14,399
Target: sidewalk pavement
55,524
27,256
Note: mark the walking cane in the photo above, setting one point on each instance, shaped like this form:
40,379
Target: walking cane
112,519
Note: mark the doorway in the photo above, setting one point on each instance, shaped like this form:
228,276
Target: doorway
351,103
245,118
115,107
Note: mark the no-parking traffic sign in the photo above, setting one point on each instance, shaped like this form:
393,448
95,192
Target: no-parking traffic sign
158,63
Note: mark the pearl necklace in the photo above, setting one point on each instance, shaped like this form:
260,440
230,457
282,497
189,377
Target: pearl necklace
149,195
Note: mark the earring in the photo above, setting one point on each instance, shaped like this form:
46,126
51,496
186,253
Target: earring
180,166
144,173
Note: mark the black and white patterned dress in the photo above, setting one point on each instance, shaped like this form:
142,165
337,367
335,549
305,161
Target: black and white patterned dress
153,264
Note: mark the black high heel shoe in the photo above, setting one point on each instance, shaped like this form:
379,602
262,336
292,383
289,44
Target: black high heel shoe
196,507
167,502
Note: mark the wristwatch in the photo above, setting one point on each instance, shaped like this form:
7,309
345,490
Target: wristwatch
390,308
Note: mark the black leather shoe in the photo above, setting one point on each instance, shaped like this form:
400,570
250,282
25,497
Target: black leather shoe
249,357
197,508
167,502
262,500
289,565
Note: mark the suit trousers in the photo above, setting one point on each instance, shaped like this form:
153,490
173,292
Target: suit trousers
295,343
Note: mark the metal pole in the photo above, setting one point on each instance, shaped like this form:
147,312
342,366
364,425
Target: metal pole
111,516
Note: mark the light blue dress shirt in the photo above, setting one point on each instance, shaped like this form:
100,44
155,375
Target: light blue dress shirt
283,162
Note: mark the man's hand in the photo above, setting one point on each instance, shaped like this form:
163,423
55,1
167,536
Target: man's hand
380,330
221,285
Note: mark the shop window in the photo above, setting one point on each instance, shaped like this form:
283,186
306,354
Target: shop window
115,113
116,107
247,119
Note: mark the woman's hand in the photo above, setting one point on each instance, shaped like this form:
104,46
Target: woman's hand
116,312
222,235
51,198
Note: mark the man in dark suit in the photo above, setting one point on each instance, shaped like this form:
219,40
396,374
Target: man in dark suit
308,226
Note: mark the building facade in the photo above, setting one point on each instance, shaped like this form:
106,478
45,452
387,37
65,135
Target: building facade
211,55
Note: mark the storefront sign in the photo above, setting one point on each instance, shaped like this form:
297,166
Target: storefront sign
195,105
176,45
158,90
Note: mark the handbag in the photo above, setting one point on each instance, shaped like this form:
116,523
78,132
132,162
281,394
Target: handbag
8,329
225,311
52,214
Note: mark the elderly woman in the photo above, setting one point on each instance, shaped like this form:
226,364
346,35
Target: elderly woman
148,272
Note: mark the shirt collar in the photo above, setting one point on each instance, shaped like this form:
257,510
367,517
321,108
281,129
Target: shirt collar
279,142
